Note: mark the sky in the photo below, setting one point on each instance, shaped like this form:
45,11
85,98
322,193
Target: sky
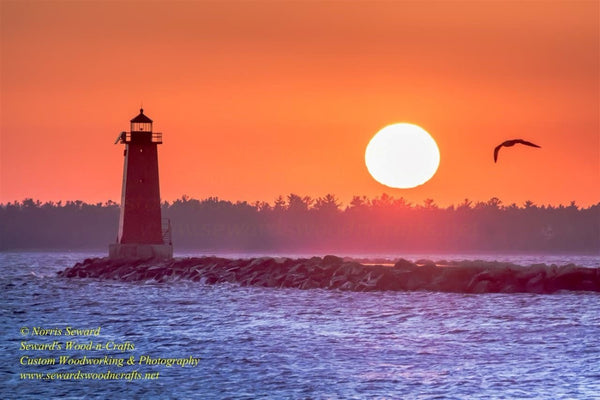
257,99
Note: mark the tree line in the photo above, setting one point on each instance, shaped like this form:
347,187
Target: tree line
301,223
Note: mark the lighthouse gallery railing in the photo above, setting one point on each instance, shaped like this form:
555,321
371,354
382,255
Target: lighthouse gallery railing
155,138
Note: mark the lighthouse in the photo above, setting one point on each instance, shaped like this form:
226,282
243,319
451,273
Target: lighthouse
142,231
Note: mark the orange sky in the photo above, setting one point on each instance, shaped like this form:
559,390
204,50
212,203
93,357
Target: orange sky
257,99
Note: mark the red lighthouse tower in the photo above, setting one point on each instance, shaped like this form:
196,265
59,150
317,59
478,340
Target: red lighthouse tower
142,233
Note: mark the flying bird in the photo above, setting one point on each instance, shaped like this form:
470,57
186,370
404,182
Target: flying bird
510,143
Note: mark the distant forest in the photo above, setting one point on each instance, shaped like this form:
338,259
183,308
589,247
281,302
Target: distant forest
296,223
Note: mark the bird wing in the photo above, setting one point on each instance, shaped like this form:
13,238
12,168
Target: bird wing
525,142
496,150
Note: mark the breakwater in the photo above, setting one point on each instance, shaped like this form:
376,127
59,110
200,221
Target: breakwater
331,272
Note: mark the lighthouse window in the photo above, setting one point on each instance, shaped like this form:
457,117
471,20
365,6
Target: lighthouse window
141,150
141,127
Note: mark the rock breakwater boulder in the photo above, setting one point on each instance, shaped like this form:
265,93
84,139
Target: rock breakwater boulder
331,272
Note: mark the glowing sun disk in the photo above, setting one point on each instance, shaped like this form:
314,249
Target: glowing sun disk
402,156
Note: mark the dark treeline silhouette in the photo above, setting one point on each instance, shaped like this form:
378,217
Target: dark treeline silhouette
296,223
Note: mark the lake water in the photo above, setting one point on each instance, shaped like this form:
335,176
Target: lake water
252,342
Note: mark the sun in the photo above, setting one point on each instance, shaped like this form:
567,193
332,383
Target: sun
402,156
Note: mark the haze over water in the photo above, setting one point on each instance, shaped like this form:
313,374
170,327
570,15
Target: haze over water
280,343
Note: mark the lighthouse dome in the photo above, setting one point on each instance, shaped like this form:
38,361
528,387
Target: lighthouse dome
141,117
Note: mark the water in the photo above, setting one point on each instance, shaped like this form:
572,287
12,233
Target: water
287,343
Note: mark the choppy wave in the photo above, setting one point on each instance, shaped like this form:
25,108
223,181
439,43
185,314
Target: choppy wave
257,342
